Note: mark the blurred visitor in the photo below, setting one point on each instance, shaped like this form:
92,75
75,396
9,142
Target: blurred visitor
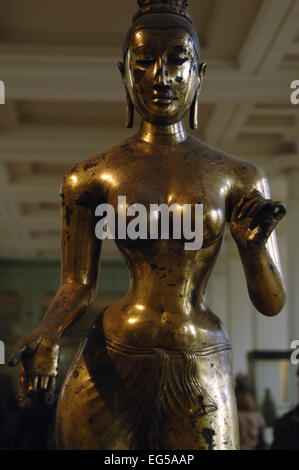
251,422
286,429
269,408
8,411
27,424
35,424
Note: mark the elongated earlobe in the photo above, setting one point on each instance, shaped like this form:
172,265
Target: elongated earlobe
129,104
129,111
194,111
194,105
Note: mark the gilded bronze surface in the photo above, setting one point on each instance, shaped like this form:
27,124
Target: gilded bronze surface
154,371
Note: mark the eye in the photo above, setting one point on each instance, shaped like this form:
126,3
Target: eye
145,62
177,60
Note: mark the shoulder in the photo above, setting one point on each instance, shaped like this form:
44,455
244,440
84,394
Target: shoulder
98,161
81,171
238,177
84,177
240,174
236,169
78,181
246,178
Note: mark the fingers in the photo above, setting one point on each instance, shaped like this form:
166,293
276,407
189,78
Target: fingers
51,389
247,205
30,385
44,381
266,214
274,209
254,205
261,212
22,388
244,204
279,210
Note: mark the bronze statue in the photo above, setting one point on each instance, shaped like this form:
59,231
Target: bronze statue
154,371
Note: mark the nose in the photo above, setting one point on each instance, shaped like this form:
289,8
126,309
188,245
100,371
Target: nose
161,79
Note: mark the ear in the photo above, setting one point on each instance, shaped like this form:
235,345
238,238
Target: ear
201,74
194,106
122,70
129,104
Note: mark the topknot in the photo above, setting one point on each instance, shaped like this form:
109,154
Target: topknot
177,7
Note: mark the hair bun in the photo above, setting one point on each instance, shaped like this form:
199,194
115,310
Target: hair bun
177,7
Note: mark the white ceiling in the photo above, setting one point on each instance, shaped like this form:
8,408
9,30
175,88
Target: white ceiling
64,99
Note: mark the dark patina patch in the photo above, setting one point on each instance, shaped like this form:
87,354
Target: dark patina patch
208,434
90,165
68,214
193,297
86,200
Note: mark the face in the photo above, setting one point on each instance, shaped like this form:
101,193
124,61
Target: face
161,74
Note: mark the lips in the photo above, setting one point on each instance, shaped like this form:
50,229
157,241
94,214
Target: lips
163,99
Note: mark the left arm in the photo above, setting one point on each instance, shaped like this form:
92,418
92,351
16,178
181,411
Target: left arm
253,219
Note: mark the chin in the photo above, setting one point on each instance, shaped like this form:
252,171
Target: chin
160,116
162,121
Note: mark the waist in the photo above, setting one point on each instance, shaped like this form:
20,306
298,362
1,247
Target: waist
151,328
115,345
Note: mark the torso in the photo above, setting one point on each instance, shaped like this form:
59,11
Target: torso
161,335
165,305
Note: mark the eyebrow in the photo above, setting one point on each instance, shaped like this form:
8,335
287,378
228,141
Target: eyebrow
179,49
143,50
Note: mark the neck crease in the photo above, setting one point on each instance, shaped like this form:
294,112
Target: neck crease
163,135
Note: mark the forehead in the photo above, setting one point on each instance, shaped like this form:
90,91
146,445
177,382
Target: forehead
157,40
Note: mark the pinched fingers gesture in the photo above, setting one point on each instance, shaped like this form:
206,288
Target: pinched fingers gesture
254,218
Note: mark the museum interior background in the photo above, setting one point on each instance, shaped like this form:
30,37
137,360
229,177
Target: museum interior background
65,102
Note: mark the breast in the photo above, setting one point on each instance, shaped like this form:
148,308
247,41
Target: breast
168,216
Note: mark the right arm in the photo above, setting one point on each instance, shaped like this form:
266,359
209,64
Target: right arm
80,256
38,352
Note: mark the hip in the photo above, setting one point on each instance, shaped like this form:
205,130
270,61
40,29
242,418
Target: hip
122,397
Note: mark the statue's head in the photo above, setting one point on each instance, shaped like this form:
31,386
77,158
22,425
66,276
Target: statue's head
161,69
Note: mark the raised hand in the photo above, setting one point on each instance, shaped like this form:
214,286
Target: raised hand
38,356
254,218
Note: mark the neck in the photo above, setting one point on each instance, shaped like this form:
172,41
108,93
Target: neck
163,135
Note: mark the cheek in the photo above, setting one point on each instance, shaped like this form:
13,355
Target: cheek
138,75
184,84
141,89
183,75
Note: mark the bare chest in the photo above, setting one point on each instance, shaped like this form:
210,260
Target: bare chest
179,185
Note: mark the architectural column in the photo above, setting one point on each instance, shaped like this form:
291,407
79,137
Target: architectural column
293,253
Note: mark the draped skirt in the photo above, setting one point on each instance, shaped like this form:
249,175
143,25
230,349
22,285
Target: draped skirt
119,397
